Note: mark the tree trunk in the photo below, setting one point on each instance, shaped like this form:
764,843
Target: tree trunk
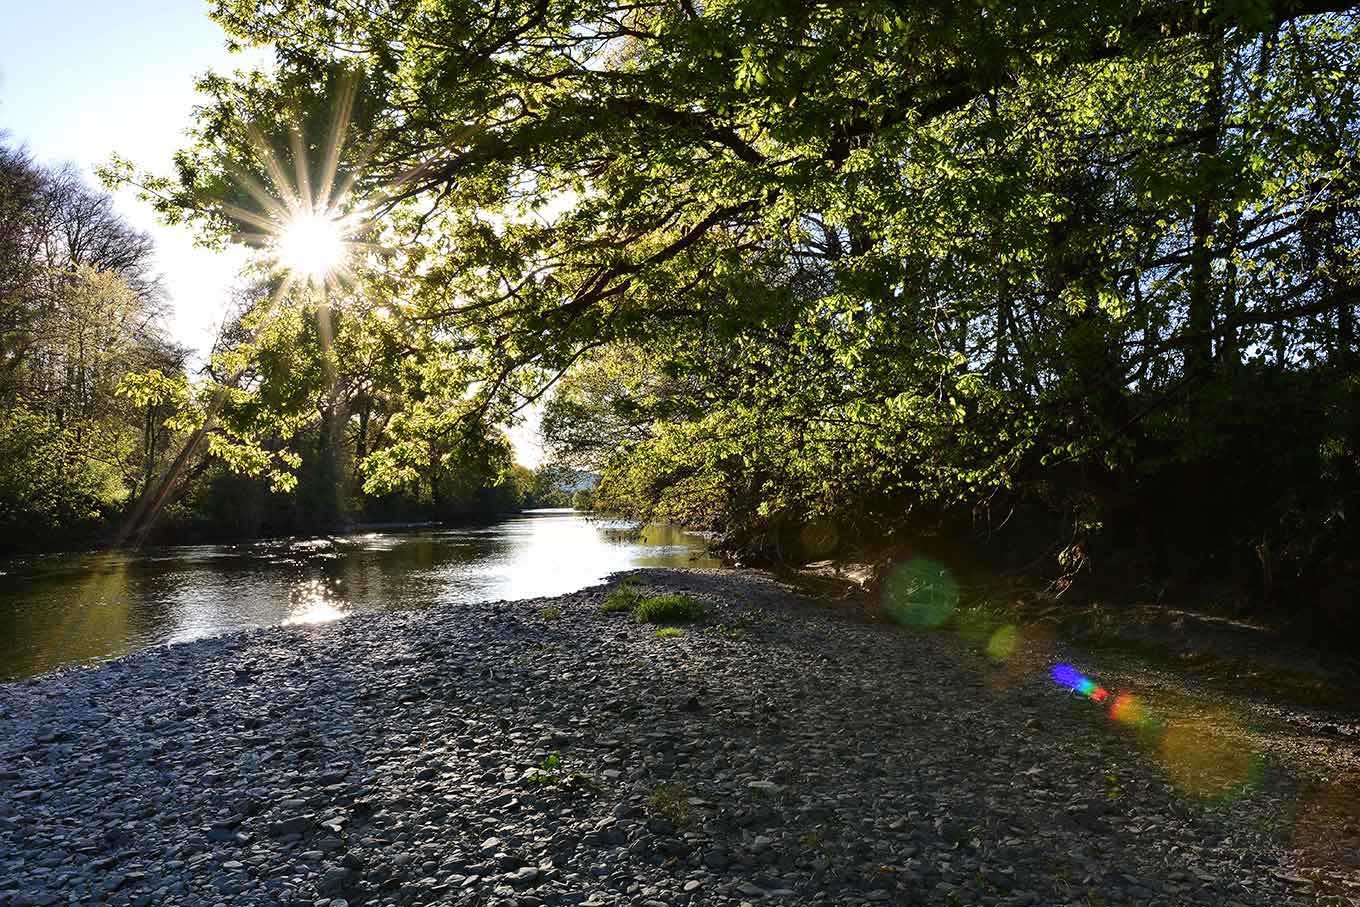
1200,354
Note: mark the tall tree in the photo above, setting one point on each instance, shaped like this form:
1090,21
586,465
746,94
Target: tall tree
904,262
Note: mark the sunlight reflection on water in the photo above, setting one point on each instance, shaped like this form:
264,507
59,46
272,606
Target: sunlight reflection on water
68,608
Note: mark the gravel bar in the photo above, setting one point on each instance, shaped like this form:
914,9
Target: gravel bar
784,751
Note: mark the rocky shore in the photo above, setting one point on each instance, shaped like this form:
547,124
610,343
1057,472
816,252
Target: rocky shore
542,753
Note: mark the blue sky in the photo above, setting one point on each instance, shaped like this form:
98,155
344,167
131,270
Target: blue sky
81,79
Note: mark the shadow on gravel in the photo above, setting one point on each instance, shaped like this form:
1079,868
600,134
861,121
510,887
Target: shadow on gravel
777,753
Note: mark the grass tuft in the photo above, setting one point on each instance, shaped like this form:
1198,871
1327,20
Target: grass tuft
622,600
670,802
550,613
669,632
668,609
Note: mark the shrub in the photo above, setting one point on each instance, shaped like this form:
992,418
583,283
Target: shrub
550,613
668,609
669,632
622,600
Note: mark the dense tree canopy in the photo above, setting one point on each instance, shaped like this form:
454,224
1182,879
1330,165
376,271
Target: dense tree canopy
80,308
881,267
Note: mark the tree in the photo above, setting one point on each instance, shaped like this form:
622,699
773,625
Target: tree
20,186
894,267
80,309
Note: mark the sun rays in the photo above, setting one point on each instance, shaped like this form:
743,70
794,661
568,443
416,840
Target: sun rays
307,224
311,246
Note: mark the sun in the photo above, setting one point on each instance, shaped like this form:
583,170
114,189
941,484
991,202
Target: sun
311,245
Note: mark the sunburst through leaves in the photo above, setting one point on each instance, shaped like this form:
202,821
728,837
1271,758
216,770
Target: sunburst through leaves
307,223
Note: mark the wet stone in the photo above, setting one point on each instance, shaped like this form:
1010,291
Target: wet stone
404,758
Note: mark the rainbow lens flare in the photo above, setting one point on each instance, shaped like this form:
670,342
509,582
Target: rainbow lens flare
1064,675
1204,755
1126,709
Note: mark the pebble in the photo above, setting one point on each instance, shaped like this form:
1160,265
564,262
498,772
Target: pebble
404,757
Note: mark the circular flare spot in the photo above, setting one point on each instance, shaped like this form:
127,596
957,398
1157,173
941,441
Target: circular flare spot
1208,757
1001,645
1126,709
920,593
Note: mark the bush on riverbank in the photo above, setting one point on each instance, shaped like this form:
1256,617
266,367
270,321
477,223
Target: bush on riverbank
1239,499
622,600
668,609
627,598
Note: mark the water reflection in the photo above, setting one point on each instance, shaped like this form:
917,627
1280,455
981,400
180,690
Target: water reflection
314,602
61,609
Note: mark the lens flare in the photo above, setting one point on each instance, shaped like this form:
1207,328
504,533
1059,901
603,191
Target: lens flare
1126,709
300,206
1206,756
1064,675
311,246
1001,645
920,593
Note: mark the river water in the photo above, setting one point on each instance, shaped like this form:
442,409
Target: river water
69,608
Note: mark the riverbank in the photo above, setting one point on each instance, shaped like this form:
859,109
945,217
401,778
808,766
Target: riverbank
60,610
542,753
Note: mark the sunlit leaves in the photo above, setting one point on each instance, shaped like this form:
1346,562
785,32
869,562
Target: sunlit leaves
801,258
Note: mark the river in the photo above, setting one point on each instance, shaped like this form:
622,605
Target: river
62,609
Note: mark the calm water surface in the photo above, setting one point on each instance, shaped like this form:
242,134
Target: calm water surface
68,608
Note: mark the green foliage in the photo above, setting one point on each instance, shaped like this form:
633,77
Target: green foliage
549,772
550,613
895,269
668,633
668,609
553,773
542,487
622,600
670,802
50,490
83,361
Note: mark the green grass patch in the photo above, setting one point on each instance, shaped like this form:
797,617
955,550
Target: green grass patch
669,632
668,609
622,600
550,613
